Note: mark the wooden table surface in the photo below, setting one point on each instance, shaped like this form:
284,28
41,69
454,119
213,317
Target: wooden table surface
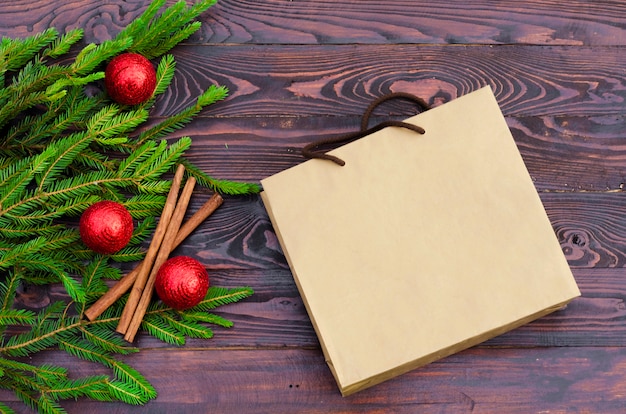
299,71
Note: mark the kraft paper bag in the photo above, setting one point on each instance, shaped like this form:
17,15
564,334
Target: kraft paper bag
420,246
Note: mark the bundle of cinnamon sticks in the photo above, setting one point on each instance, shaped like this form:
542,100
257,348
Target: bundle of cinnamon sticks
170,232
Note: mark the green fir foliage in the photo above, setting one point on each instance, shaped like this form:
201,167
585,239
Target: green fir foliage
61,150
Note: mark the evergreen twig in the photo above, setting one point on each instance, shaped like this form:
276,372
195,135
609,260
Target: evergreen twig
62,150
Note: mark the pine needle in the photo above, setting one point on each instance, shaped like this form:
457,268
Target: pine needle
64,146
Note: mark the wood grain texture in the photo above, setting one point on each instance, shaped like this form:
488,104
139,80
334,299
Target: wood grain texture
555,380
333,80
299,71
403,21
588,226
279,319
329,22
562,153
101,21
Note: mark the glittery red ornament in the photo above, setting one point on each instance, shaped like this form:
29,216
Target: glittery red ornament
106,227
130,79
182,282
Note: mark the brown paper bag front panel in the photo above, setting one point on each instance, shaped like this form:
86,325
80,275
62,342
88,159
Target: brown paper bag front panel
418,242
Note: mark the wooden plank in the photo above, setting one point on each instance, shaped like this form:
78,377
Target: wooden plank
562,153
589,226
101,21
573,153
400,21
323,22
342,80
339,80
276,317
307,70
297,380
241,240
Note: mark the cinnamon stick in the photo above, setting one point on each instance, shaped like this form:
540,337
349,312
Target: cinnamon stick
198,217
122,285
164,252
157,239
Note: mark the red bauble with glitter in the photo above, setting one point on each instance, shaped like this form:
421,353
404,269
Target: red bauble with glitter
182,282
130,79
106,227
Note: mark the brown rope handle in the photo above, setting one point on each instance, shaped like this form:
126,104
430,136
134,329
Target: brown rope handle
312,150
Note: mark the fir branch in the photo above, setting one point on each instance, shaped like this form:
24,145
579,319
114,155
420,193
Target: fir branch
54,265
28,343
81,348
20,251
12,189
132,378
207,318
77,186
110,122
23,395
15,53
187,327
48,373
163,159
144,229
127,393
26,214
164,74
68,149
161,27
61,150
175,122
153,187
71,285
28,89
93,55
94,160
62,239
110,142
47,405
169,24
168,43
137,27
13,169
68,208
93,279
41,336
75,388
65,114
221,186
128,254
112,273
17,226
138,155
5,410
145,205
63,44
58,88
107,340
21,103
219,296
160,329
16,317
7,292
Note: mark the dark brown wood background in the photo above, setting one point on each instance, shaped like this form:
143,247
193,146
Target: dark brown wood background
303,70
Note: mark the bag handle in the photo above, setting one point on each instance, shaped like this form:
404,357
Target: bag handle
311,150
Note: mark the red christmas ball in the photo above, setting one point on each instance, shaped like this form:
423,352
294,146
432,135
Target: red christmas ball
182,282
130,79
106,227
